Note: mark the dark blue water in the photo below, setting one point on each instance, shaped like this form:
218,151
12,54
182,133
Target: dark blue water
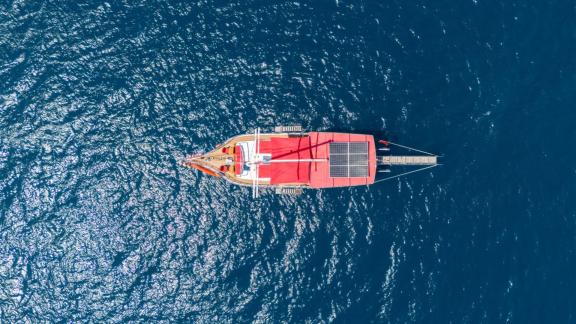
100,100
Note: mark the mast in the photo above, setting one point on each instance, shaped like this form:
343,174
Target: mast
256,180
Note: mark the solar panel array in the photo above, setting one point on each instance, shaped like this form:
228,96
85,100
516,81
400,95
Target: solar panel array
349,159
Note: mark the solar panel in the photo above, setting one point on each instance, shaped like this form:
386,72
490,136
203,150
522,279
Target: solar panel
357,171
339,159
349,160
338,148
358,147
339,171
358,159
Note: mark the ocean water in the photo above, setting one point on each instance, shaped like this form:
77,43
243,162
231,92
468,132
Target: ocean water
100,100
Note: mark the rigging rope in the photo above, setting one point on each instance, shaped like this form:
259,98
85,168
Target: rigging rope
405,173
410,148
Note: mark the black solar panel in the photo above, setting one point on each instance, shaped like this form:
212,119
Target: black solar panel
339,159
358,159
348,159
338,171
338,148
358,148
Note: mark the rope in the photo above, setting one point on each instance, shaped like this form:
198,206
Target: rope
411,148
405,173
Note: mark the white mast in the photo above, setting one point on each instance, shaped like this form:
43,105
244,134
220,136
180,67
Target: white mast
256,180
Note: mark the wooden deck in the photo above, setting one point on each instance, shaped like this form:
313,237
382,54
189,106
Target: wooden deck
409,160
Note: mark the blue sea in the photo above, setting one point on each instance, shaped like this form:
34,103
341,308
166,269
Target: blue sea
101,100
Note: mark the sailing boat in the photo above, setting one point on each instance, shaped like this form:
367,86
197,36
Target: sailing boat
291,160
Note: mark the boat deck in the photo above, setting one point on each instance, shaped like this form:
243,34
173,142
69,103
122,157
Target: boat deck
298,160
216,158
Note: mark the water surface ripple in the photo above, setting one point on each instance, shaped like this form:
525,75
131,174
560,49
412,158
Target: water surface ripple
99,101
